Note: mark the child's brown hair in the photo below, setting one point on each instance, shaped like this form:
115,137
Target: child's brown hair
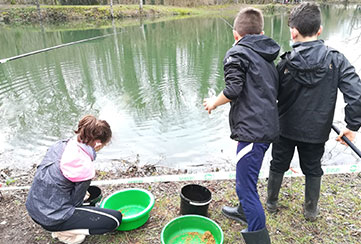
249,21
306,18
91,129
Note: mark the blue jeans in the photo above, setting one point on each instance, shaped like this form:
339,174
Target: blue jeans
250,157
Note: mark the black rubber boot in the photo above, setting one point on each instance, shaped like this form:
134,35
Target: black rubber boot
235,213
312,194
273,189
256,237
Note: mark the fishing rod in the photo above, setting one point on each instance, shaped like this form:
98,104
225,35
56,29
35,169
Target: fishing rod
348,142
227,22
52,48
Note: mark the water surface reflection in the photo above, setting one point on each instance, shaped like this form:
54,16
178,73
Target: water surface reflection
148,81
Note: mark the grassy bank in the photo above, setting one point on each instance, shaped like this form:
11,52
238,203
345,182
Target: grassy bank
24,14
56,14
339,220
29,14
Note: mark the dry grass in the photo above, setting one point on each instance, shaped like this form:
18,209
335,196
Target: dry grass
339,222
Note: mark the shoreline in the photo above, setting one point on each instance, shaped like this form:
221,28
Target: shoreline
66,14
29,14
125,172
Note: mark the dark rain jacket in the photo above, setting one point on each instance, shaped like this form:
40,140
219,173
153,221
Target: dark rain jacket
309,77
251,85
52,198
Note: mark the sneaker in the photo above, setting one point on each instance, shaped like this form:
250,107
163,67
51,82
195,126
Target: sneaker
68,238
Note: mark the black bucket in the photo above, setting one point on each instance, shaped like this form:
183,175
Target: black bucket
195,199
95,196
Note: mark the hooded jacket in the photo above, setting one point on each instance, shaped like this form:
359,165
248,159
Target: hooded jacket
53,197
309,77
251,84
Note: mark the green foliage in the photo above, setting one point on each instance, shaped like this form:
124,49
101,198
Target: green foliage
9,181
53,14
270,8
79,2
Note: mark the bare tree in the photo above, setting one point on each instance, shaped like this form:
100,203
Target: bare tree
38,8
111,9
141,6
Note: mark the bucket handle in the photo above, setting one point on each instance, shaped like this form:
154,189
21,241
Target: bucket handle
200,204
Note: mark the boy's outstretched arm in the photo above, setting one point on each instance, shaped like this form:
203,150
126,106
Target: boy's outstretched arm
212,103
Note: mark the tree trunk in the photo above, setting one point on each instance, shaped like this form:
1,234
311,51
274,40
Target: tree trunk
38,8
111,9
141,6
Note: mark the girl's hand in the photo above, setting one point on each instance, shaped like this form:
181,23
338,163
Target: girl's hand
98,146
87,195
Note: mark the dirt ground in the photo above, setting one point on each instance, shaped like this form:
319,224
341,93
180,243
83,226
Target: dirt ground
340,221
17,227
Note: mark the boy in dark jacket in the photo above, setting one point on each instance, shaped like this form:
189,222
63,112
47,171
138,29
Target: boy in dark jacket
251,88
309,77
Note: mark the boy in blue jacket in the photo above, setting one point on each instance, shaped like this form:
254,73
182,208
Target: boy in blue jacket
251,88
310,76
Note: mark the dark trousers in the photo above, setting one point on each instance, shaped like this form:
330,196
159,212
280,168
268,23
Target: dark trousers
96,220
250,157
310,155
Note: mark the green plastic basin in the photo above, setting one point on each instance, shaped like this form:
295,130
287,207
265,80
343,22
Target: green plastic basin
135,204
190,229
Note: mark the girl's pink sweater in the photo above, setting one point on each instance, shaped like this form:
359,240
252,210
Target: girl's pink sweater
76,163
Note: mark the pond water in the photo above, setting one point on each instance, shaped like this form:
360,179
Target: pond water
147,80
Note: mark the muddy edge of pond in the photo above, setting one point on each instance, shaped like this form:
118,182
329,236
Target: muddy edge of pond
116,169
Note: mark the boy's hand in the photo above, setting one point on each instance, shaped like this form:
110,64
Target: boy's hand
212,103
209,104
348,133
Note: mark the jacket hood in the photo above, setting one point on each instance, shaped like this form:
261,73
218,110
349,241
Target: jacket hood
261,44
306,62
